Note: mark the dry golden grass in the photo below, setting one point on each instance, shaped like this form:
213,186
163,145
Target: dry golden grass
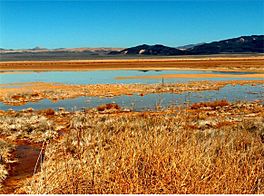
214,104
27,126
147,153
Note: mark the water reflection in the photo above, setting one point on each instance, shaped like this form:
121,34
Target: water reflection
105,77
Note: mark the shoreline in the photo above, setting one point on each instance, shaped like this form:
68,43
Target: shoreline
22,93
191,76
253,64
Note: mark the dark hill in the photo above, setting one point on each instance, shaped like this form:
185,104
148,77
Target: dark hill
243,44
150,50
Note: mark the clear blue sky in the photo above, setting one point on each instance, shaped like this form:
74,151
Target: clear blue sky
125,23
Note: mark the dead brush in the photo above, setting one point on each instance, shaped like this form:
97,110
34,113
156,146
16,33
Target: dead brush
212,105
108,106
49,112
35,127
150,154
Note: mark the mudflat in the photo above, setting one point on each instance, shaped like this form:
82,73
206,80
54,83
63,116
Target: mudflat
254,63
193,76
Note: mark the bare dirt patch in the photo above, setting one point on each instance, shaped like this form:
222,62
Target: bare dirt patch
26,156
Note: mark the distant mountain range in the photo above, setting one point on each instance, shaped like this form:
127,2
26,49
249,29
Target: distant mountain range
189,46
60,50
38,53
149,50
243,44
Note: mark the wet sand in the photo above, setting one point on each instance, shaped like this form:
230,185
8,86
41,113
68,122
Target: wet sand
211,63
27,156
192,76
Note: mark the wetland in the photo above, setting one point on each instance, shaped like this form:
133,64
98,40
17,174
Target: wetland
171,126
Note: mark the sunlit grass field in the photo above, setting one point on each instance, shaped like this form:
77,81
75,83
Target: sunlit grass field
206,148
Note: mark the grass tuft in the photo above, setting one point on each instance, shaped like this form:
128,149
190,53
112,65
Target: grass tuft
150,153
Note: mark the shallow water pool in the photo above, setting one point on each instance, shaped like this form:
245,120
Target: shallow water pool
151,101
106,76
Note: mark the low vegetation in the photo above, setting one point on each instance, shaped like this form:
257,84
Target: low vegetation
213,149
36,128
212,104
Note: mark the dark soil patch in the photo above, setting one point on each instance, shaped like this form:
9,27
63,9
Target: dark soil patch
27,156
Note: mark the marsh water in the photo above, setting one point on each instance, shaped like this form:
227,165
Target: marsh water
134,102
152,101
106,76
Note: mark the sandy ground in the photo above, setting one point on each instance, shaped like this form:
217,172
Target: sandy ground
21,93
193,76
254,63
